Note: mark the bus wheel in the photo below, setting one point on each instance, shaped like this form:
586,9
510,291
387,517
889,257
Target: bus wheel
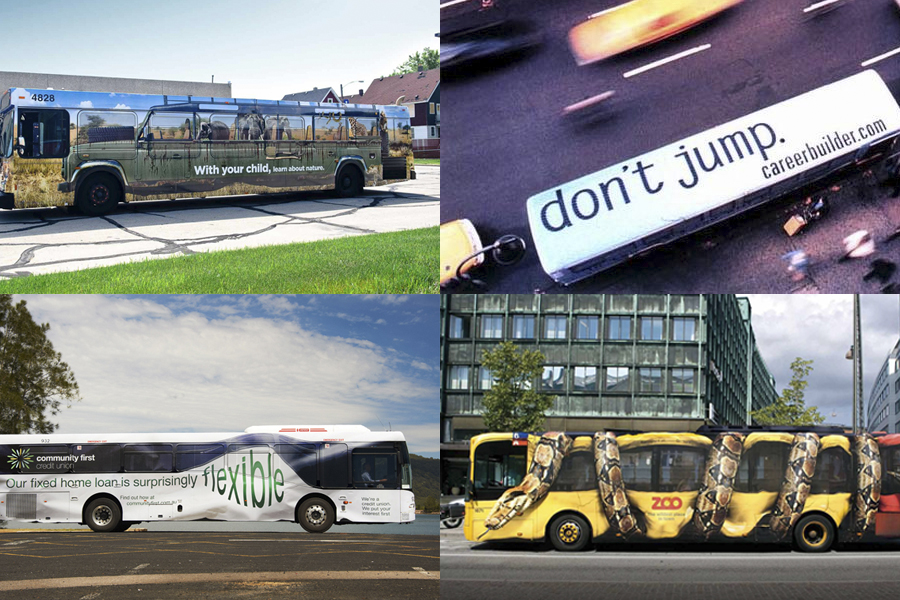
315,515
452,523
103,514
98,195
349,182
569,532
814,533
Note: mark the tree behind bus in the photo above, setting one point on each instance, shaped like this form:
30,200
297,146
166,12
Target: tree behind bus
512,404
34,380
789,408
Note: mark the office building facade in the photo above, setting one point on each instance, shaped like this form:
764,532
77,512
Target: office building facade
642,362
883,408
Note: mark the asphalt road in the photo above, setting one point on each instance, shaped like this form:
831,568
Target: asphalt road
669,571
504,139
45,240
139,564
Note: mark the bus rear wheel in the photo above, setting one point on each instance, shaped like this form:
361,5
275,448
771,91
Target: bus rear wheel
315,515
814,533
569,532
98,195
103,514
349,182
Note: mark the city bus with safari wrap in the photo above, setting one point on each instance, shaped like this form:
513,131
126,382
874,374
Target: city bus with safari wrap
95,149
314,475
601,219
812,486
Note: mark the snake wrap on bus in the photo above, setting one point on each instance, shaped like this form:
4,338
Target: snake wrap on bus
811,509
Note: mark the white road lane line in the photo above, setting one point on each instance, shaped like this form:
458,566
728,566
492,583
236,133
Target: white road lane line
138,568
818,5
667,60
872,61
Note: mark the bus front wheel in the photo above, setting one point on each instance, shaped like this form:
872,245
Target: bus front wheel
315,515
349,182
103,514
98,195
814,533
569,532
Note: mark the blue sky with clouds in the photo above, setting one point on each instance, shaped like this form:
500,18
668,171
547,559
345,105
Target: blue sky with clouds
266,48
224,363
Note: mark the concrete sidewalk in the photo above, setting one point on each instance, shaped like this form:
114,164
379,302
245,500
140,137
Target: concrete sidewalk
35,241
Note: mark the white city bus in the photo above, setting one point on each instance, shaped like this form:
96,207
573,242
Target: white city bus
315,475
592,223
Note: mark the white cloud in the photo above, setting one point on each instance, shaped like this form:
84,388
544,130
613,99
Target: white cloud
387,299
420,365
86,104
143,367
123,106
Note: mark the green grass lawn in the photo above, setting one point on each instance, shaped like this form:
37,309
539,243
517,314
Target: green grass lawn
428,161
396,262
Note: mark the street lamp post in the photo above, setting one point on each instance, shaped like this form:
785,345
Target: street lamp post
348,83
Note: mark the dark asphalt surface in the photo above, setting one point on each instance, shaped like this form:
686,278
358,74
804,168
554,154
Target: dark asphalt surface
505,140
665,571
58,564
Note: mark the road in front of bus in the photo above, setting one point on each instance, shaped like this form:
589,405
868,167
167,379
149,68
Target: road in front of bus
664,571
45,564
505,140
45,240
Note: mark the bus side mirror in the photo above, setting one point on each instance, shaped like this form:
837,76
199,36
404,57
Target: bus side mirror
470,490
20,147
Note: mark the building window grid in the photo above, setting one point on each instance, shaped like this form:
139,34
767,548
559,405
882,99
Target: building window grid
627,320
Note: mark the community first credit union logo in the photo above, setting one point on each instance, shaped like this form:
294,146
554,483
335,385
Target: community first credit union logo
20,458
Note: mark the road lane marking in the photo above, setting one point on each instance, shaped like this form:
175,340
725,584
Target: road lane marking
75,582
138,568
312,541
819,5
667,60
19,543
880,57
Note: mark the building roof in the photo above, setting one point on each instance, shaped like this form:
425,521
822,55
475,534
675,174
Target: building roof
414,87
313,95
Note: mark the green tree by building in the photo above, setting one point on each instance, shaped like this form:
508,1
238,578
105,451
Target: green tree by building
789,408
428,59
512,404
34,380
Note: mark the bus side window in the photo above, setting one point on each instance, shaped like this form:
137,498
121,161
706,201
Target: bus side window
148,458
189,456
99,458
301,458
832,475
577,474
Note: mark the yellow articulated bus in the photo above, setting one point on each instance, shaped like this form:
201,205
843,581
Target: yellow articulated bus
812,486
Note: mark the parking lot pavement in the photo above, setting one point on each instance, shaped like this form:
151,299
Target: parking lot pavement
139,564
34,241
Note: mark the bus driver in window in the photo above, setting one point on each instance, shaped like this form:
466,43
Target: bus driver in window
367,474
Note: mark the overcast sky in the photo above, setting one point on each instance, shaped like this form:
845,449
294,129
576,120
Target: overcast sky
820,328
224,363
266,48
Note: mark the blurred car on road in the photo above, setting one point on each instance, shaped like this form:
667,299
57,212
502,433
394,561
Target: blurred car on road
638,23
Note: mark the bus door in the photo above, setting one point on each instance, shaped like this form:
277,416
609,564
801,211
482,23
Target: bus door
167,140
329,132
496,467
